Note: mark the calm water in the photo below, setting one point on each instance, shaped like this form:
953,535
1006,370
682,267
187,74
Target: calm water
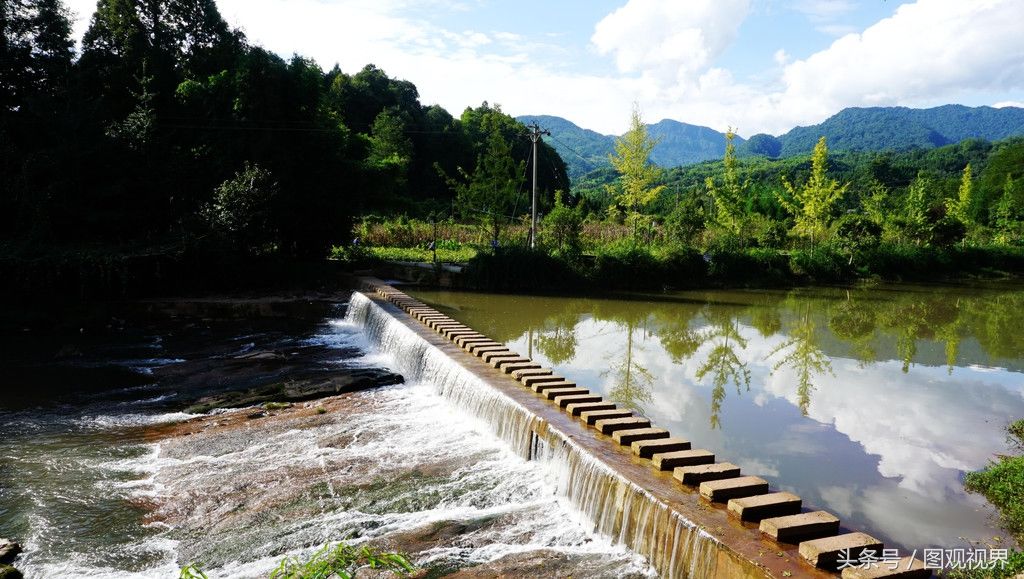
870,402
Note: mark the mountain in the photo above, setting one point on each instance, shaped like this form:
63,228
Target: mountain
899,128
584,150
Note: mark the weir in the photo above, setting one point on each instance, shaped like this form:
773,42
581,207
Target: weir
632,483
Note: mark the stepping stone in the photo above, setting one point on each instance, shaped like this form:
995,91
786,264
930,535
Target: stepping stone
513,366
907,568
719,491
674,460
648,448
610,425
590,417
491,357
462,331
441,326
802,527
825,553
694,475
520,374
628,437
760,507
486,348
576,408
567,399
552,393
530,381
475,336
562,383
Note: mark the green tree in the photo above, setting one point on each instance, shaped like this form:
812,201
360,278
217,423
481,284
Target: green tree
241,210
490,193
731,198
563,225
1009,213
961,208
635,188
916,226
812,205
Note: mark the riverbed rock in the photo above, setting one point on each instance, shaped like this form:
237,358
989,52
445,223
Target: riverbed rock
300,389
8,572
8,550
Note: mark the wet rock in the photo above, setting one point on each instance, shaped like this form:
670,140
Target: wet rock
8,550
8,572
300,389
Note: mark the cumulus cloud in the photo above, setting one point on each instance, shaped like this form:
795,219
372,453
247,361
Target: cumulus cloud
675,41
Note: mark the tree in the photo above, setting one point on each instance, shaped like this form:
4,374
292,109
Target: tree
1009,214
491,191
240,211
813,204
730,199
635,189
961,208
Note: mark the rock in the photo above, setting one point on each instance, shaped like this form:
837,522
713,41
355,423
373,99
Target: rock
8,550
8,572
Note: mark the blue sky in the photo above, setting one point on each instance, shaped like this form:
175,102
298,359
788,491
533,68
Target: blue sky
756,65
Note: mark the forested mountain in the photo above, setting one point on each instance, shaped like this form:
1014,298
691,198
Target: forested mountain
677,143
901,128
170,132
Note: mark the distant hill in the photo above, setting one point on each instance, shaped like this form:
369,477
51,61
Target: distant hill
900,128
585,150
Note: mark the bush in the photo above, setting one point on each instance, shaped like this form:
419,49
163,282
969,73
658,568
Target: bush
748,266
518,268
820,264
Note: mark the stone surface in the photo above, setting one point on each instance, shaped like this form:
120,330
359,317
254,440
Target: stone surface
490,357
485,348
592,416
567,399
610,425
552,393
628,437
648,448
906,568
513,366
575,409
759,507
499,359
694,475
530,381
825,553
520,374
673,460
8,572
802,527
8,550
539,387
465,341
719,491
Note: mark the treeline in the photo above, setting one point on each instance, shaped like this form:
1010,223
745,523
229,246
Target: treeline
169,131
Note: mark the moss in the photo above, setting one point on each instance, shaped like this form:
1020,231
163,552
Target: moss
276,405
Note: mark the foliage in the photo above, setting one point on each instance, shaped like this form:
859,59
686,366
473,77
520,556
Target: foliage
563,226
342,561
813,204
1002,483
730,198
636,187
241,210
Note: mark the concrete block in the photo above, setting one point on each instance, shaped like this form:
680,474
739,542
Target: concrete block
492,359
825,553
530,381
484,348
629,436
540,387
464,341
551,393
590,417
755,508
610,425
674,460
520,374
802,527
567,399
719,491
575,408
694,475
906,568
648,448
510,367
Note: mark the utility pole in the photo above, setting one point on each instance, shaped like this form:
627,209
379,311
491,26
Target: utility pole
535,134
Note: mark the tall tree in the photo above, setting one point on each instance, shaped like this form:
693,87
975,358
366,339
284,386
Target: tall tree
813,204
636,187
730,199
961,208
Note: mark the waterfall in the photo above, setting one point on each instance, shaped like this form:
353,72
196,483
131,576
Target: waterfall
614,506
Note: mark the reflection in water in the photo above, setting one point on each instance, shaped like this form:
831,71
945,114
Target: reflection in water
870,402
802,354
722,361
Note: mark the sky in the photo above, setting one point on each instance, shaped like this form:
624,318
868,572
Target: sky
752,65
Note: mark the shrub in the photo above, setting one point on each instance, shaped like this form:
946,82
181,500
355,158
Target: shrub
518,268
820,264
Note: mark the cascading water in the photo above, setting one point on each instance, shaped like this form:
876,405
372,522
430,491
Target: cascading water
605,501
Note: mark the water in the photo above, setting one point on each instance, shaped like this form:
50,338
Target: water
870,402
109,482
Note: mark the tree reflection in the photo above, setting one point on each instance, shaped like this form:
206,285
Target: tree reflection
723,364
558,342
804,356
632,382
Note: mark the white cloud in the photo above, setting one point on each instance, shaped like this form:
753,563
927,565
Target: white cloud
781,57
674,41
1004,104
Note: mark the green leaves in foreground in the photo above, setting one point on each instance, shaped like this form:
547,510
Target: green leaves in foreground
1002,483
341,561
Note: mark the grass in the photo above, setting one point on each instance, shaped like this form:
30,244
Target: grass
341,561
461,255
